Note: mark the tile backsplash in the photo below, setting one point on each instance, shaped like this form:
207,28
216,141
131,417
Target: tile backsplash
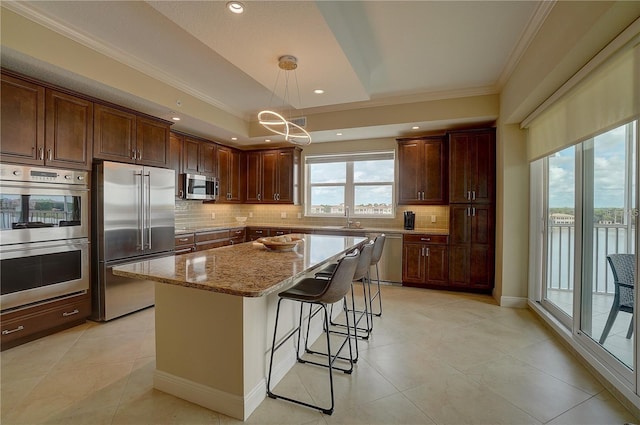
195,214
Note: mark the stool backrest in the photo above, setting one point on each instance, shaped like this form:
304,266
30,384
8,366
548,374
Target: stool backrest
341,279
366,251
378,246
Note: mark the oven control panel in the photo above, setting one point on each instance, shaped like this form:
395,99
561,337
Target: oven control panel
22,173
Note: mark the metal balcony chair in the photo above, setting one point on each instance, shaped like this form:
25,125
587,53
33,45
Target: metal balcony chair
319,292
623,269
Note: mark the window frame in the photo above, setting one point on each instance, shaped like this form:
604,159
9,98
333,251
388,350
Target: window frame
349,184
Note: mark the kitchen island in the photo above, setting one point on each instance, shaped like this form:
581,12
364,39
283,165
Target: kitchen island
215,312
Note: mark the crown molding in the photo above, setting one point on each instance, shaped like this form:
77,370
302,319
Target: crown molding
28,12
526,37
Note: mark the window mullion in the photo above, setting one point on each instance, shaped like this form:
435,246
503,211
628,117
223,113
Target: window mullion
349,191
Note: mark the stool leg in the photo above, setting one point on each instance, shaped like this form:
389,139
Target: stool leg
377,295
273,349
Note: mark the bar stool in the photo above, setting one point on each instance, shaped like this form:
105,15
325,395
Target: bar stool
322,293
378,246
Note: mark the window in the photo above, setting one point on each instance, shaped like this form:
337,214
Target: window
363,183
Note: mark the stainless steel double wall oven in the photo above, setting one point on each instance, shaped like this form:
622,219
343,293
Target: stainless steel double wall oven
44,239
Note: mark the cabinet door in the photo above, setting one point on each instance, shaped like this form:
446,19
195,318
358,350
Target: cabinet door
413,263
175,161
459,189
191,156
459,224
434,176
459,264
482,168
224,163
437,264
207,164
68,131
235,176
114,134
254,177
285,172
269,176
22,129
409,174
152,142
481,267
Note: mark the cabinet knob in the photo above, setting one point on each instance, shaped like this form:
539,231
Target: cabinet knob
17,173
425,239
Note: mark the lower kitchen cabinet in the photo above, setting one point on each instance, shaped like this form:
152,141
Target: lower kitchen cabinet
211,239
237,235
184,243
30,323
471,256
425,260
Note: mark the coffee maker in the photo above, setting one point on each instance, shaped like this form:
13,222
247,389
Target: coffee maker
409,220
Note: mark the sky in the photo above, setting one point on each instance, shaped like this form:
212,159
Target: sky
609,173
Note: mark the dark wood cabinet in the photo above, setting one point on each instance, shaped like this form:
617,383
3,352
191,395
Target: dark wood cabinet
273,176
229,174
472,164
254,233
211,239
471,248
22,131
27,324
42,126
122,136
237,235
68,131
176,142
184,243
422,175
199,157
114,134
425,260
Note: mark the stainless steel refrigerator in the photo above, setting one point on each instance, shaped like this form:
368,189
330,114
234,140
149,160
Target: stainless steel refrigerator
132,220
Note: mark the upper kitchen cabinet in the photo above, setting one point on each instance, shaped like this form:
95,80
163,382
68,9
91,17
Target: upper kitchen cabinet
22,130
229,174
273,176
199,157
422,171
472,166
123,136
176,142
44,127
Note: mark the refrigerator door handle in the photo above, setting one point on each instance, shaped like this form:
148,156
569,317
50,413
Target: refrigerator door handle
140,207
148,211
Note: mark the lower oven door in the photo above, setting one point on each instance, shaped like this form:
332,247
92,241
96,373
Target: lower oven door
40,271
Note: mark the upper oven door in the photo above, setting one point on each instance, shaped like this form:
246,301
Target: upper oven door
34,212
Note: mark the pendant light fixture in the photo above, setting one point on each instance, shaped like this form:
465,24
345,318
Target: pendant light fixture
276,122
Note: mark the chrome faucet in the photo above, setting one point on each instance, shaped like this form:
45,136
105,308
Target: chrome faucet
346,213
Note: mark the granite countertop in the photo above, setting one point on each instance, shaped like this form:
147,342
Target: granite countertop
248,269
389,230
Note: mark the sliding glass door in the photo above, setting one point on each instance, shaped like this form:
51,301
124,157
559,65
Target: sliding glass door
609,208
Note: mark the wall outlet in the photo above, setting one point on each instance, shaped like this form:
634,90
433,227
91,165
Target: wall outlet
433,218
213,216
283,215
299,215
250,214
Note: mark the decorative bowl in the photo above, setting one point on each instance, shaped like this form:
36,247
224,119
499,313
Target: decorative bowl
280,243
241,219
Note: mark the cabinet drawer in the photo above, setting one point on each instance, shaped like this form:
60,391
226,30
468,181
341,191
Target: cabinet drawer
237,233
201,246
212,236
254,234
186,239
35,321
432,239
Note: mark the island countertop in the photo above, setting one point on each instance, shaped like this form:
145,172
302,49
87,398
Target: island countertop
247,270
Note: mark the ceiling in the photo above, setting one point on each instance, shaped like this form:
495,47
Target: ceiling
361,53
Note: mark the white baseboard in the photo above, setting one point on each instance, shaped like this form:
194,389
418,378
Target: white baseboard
211,398
513,302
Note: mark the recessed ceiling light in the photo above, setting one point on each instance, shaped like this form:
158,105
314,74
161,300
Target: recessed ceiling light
235,7
338,134
415,127
234,138
318,91
175,118
267,140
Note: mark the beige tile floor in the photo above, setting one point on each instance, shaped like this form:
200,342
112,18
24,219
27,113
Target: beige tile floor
434,358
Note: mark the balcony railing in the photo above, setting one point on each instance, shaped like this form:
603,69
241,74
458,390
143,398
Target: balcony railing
607,239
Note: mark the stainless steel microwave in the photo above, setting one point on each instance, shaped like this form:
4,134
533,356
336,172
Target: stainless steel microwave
199,187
